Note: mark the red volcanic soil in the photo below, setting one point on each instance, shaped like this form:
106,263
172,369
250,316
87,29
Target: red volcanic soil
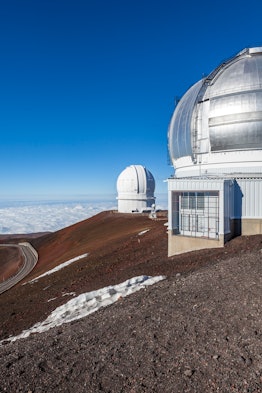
10,262
119,246
116,251
99,236
197,331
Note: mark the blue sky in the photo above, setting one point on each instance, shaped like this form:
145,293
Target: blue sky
88,87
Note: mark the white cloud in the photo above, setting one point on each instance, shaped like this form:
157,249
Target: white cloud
49,216
27,217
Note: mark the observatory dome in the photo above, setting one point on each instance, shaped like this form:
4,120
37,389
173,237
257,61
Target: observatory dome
135,187
216,127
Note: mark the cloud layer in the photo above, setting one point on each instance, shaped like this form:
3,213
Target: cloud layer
42,217
49,216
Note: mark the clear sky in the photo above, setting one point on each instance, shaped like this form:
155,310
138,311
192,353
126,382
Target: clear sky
88,87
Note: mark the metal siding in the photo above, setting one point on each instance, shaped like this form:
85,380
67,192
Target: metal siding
196,184
228,205
252,197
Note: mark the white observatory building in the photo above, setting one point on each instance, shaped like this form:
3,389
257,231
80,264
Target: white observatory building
215,144
135,187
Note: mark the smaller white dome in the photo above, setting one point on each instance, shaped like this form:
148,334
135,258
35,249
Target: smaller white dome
135,187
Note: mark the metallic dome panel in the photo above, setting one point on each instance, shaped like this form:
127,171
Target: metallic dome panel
179,133
136,179
243,74
235,115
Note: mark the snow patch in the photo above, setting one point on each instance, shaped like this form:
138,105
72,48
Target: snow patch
143,232
59,267
87,303
69,294
50,300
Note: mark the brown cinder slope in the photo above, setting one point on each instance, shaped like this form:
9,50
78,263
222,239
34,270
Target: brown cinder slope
100,234
193,332
119,246
115,250
198,331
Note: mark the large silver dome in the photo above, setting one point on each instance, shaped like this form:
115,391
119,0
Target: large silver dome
220,113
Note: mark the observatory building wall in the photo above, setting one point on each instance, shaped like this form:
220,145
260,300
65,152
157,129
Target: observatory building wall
134,205
248,204
205,213
200,213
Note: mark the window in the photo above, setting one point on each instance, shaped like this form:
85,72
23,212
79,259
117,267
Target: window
192,200
200,200
196,213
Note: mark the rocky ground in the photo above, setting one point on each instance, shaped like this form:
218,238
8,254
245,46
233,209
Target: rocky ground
197,331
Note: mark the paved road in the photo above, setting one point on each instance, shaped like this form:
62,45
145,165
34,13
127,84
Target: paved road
30,257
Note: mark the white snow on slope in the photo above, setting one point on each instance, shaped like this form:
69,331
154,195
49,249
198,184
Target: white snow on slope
59,267
88,303
143,232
